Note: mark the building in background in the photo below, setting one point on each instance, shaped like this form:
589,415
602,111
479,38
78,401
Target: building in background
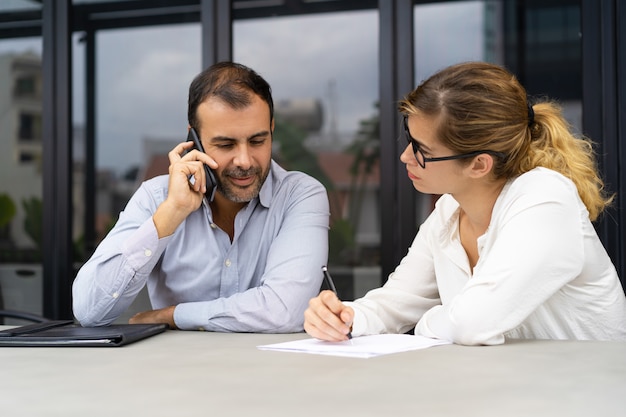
21,144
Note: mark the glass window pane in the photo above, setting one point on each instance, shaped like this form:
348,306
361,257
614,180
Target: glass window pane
19,5
323,70
21,173
447,33
541,46
142,80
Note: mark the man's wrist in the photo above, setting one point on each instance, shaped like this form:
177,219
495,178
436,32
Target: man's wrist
167,220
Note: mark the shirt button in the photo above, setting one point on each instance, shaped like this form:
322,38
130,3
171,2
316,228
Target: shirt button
147,252
227,263
115,295
213,226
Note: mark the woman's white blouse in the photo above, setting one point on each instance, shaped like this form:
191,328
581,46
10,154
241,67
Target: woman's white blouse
542,273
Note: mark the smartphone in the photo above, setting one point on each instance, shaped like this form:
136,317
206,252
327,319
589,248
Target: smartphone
211,184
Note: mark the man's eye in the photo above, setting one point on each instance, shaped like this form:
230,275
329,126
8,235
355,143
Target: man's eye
225,145
257,142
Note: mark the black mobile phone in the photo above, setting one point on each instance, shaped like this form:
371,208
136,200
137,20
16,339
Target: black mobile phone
211,184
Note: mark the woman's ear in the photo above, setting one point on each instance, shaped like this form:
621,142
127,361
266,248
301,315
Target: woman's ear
481,165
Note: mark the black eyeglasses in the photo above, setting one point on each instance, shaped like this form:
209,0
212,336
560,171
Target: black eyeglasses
421,159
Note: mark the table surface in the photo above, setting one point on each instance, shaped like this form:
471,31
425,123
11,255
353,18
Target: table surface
180,373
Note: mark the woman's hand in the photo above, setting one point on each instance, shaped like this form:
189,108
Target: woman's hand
327,318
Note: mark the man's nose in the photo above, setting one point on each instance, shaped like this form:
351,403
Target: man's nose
243,158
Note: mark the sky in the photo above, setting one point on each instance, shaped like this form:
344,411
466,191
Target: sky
144,74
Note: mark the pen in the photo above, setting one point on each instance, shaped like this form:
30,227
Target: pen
331,285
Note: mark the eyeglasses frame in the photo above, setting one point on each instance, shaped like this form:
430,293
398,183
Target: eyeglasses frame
416,148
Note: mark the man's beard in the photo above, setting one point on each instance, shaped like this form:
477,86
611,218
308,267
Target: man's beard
238,194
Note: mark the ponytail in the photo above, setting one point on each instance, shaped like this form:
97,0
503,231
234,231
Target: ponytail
554,146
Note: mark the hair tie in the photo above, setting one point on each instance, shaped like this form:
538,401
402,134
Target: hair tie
531,114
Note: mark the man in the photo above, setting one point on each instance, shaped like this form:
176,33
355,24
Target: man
246,261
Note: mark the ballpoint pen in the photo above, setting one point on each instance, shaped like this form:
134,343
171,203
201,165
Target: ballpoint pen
331,285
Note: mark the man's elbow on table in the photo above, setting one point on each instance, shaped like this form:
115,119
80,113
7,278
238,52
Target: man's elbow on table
84,314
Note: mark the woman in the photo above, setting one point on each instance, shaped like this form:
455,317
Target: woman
509,250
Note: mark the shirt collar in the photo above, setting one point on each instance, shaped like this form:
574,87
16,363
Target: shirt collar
267,189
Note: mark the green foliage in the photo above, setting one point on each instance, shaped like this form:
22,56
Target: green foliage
293,155
33,223
33,226
7,210
366,151
366,147
340,242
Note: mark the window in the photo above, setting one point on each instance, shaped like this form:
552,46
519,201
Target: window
29,129
327,123
26,157
25,86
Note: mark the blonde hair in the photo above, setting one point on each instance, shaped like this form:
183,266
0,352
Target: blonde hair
482,106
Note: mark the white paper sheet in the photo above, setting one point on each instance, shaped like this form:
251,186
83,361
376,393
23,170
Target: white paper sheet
358,347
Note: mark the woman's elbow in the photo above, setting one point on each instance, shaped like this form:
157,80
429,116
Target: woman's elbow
474,334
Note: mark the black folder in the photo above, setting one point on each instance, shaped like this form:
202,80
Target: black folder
66,333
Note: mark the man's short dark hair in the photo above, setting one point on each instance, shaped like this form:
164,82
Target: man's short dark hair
232,83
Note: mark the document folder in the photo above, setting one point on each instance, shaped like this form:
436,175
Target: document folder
67,333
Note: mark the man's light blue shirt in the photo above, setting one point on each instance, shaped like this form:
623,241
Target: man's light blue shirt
260,282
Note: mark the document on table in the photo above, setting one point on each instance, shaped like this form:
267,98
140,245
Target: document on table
358,347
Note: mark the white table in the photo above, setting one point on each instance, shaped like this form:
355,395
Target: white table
182,374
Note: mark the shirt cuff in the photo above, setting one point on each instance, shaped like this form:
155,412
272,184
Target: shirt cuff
189,316
359,323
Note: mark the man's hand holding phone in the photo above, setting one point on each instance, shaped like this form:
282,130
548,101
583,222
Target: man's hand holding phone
211,183
187,186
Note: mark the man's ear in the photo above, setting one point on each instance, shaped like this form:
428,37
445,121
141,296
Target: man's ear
272,126
481,165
